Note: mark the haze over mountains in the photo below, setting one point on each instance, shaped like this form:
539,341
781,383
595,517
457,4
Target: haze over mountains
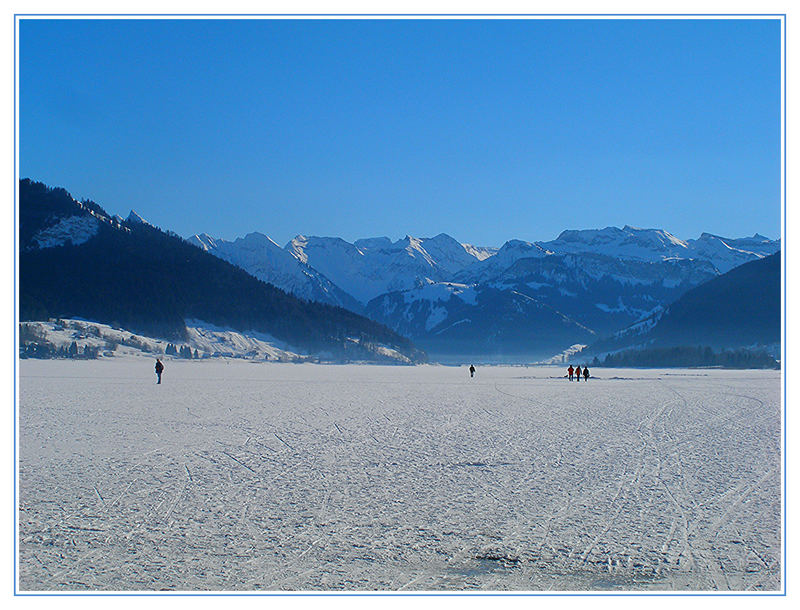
522,300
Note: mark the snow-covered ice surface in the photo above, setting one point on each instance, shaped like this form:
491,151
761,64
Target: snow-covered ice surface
262,476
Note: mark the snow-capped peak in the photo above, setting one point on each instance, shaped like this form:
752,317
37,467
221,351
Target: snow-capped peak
481,253
628,242
256,239
135,219
203,241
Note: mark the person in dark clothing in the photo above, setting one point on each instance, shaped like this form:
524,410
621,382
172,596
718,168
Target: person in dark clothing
578,372
570,371
471,371
159,369
585,373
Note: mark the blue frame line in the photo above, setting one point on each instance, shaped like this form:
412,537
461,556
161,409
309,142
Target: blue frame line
14,508
785,306
783,593
244,15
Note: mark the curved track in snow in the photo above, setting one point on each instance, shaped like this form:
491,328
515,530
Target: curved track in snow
241,476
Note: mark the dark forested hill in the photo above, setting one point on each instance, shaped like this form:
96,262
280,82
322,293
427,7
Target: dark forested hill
76,261
740,308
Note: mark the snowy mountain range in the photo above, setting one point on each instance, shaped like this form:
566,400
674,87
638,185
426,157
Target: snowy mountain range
523,301
263,258
78,262
524,298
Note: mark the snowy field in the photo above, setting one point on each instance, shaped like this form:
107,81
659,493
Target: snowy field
249,476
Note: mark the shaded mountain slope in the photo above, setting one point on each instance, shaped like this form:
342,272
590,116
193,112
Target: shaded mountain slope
739,308
76,261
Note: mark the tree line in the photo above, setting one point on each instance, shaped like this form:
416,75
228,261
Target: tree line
689,356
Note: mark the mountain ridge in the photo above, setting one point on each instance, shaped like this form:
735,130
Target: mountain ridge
601,280
446,296
142,278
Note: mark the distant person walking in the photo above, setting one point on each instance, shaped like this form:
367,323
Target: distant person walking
585,373
159,369
570,370
578,372
471,371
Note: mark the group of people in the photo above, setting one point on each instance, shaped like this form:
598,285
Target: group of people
577,372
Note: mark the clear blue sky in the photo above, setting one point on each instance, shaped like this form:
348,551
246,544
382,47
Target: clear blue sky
484,129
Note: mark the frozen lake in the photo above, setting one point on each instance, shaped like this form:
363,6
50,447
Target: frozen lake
250,476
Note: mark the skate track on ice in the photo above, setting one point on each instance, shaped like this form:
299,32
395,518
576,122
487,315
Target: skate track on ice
248,476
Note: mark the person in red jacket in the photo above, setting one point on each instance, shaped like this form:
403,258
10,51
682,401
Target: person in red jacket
159,369
570,370
578,372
